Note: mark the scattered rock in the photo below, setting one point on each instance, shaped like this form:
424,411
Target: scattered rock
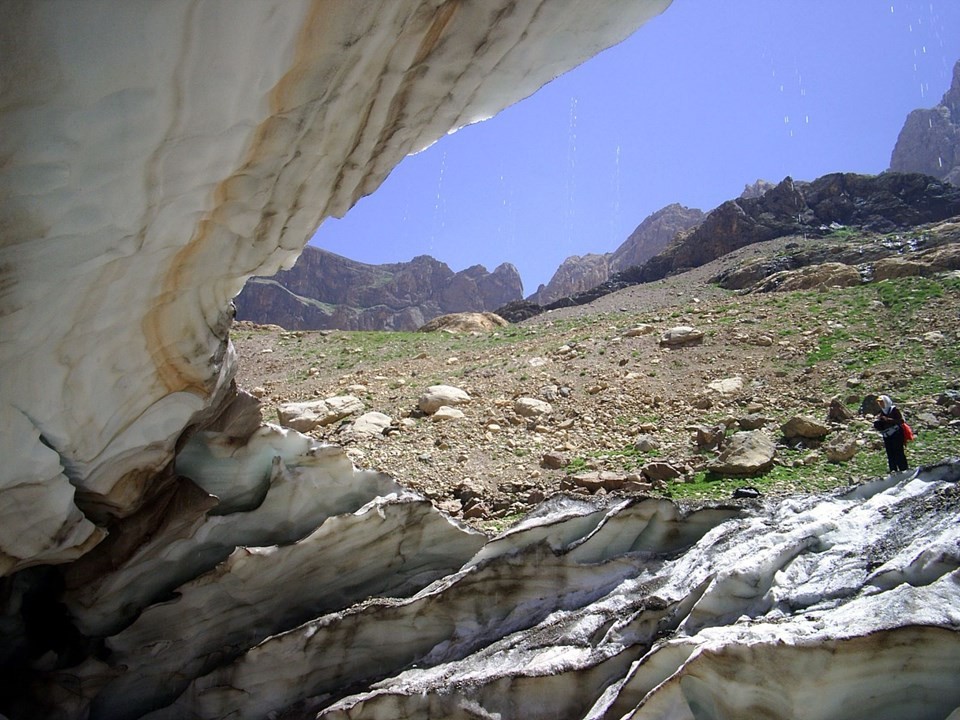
371,423
531,407
839,412
727,386
639,330
841,448
645,443
554,461
659,471
753,421
603,480
681,336
305,416
928,419
445,412
436,396
710,437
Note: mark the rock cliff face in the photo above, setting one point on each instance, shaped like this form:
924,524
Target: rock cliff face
653,235
575,274
929,142
579,274
324,290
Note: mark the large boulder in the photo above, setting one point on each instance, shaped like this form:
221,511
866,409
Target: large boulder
305,416
466,322
745,453
806,427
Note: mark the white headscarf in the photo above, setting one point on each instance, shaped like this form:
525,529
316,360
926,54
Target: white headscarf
886,404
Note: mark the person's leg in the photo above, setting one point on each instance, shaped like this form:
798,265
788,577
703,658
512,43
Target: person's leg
891,459
899,452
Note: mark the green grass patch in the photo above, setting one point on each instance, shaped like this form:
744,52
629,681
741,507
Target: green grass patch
907,296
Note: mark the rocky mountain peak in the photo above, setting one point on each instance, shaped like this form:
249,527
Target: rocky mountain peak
930,139
581,273
756,189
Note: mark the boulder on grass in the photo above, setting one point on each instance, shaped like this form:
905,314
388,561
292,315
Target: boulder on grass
746,453
841,448
804,426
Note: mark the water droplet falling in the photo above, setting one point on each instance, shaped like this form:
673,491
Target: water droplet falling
572,169
439,206
615,216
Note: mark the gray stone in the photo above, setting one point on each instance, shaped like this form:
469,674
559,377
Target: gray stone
746,453
305,416
371,423
660,471
445,412
680,336
709,437
645,443
841,448
726,386
753,421
639,330
436,396
554,461
804,426
531,407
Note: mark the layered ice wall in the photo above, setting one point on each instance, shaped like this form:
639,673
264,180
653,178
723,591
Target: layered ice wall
155,155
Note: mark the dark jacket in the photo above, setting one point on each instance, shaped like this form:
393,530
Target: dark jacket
889,423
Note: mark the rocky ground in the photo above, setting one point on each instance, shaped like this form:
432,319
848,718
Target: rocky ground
625,409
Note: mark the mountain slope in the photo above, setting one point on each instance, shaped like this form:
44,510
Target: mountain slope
876,203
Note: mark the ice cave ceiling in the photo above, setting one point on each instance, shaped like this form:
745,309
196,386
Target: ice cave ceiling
165,555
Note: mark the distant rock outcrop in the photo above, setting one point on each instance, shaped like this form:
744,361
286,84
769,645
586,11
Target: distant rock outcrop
465,323
327,291
757,189
576,274
653,235
581,273
930,139
879,203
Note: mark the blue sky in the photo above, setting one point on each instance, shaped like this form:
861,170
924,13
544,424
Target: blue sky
699,102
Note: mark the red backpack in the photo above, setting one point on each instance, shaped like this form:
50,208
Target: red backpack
908,435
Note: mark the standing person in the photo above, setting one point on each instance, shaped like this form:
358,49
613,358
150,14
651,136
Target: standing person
890,424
